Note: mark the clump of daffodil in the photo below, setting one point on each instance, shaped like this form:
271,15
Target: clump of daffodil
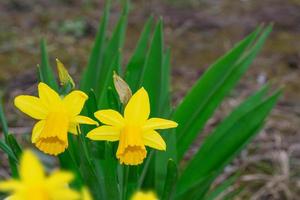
140,195
57,116
134,131
33,183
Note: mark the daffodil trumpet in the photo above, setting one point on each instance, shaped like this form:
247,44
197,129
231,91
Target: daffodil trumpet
57,116
134,131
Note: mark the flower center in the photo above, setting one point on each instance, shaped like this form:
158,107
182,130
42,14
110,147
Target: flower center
54,136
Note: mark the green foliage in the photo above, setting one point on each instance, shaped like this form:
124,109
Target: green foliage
95,164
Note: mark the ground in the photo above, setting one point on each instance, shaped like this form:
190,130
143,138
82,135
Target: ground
198,32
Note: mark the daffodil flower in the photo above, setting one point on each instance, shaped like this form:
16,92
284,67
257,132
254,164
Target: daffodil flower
57,115
140,195
134,131
35,185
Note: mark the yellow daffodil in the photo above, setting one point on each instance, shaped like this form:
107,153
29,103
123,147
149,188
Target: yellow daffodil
134,131
57,115
35,185
144,196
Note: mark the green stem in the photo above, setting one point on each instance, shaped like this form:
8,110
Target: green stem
144,172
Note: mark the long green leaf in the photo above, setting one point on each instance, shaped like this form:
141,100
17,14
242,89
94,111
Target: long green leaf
92,72
46,72
198,106
171,178
6,149
162,158
111,60
151,78
137,61
227,140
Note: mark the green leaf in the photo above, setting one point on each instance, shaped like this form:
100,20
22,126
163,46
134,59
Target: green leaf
136,63
152,75
92,72
220,189
16,148
45,71
6,149
110,173
209,91
3,120
171,179
231,135
111,60
162,158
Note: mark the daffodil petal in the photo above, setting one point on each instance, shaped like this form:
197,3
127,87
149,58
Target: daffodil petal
66,193
110,117
108,133
154,140
37,130
85,194
31,169
73,128
74,102
79,119
48,96
60,178
10,185
31,106
159,123
137,110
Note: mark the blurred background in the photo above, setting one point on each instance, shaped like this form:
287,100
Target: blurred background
198,32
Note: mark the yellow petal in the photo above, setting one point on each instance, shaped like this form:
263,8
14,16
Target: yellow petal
154,140
159,123
31,170
107,133
138,108
60,178
79,119
37,130
65,193
10,185
48,96
110,117
140,195
85,194
74,102
74,128
31,106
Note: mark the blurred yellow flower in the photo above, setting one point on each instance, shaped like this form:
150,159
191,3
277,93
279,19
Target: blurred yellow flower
35,185
57,116
134,131
144,196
